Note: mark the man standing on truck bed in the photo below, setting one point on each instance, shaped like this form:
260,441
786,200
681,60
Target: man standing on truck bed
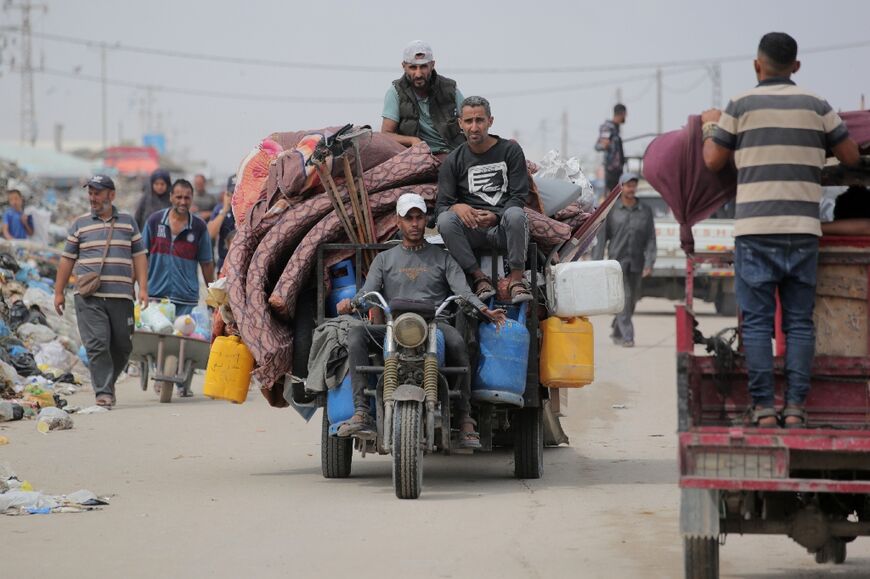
777,134
423,105
629,234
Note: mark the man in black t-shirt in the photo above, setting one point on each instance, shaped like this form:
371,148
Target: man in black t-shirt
482,189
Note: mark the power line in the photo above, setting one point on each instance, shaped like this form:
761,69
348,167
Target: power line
209,93
694,62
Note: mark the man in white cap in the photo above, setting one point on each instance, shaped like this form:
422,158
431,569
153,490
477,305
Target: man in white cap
413,270
423,105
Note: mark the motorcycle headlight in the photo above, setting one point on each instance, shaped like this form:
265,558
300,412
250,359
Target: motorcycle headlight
410,330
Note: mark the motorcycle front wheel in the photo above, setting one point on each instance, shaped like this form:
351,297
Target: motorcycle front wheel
408,449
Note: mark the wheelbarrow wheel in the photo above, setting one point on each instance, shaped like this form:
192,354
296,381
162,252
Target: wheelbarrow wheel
170,367
144,367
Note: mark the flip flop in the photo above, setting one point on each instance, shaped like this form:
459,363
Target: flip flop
483,288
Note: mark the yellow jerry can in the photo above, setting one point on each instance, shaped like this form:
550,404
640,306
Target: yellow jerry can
567,352
228,373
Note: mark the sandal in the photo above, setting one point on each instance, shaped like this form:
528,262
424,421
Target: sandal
468,438
794,411
520,292
763,417
105,400
483,288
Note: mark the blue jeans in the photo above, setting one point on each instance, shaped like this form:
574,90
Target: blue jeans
763,264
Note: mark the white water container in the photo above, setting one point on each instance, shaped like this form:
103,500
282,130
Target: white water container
585,288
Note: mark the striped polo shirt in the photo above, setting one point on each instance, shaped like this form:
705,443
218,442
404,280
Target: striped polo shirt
86,243
779,133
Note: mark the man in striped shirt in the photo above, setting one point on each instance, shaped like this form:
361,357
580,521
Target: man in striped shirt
778,135
105,318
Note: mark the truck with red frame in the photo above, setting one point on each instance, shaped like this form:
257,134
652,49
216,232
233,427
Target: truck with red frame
811,484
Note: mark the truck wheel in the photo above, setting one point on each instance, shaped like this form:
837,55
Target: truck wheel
336,454
701,557
528,427
833,551
170,367
726,304
408,449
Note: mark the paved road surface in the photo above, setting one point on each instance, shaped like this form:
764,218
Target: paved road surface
205,488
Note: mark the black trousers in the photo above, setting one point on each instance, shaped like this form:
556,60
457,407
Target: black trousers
361,339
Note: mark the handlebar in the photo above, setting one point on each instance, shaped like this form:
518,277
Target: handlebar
383,303
446,303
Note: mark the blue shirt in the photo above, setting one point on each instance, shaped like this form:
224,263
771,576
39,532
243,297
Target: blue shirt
13,220
227,227
172,262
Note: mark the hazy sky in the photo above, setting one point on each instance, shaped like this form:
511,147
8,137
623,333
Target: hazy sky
465,35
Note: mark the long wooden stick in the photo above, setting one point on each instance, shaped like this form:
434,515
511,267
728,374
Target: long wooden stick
364,194
361,228
337,202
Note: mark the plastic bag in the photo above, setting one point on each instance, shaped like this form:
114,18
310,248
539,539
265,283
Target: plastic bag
52,418
203,321
554,167
185,325
53,354
154,320
36,333
41,224
217,293
167,308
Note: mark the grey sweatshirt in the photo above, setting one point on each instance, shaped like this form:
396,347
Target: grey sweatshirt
427,273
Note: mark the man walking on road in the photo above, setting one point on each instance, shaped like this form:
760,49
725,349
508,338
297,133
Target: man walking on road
630,238
610,142
778,134
108,243
483,186
177,240
422,105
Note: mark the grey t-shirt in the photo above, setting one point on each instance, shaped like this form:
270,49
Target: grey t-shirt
427,273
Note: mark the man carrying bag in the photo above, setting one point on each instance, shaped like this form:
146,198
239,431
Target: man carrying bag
105,251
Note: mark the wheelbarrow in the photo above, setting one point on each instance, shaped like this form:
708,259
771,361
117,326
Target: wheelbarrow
172,359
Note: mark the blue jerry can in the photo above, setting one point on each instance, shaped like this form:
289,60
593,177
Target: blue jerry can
343,281
504,357
339,402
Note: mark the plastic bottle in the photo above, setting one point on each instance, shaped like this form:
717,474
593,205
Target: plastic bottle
10,411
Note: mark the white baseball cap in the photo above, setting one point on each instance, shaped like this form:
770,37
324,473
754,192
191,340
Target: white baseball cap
418,47
410,201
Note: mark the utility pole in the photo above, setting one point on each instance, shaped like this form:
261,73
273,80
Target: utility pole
28,99
715,71
564,143
618,95
659,122
103,87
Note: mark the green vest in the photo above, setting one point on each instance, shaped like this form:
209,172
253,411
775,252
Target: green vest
442,109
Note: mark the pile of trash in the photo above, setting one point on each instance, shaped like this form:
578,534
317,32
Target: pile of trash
41,358
160,318
286,204
17,497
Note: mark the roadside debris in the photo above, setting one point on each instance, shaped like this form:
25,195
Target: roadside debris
17,497
53,419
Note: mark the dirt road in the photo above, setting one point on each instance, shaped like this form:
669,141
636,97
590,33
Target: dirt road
204,488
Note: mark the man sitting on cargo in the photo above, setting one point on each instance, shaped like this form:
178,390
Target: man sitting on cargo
422,105
482,188
414,270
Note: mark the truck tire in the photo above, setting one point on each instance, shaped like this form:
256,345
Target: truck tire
701,557
336,454
726,304
408,449
528,427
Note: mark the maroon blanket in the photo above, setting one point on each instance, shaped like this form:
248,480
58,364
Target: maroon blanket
674,165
